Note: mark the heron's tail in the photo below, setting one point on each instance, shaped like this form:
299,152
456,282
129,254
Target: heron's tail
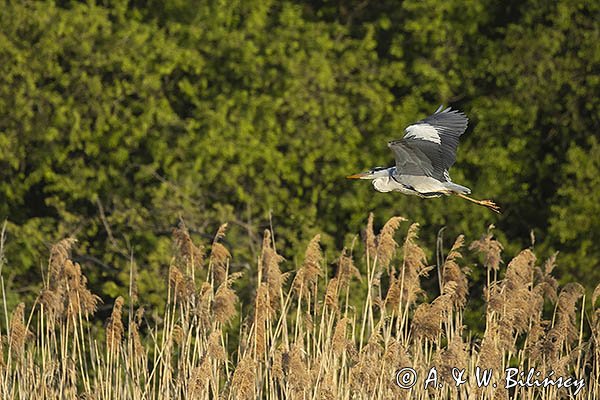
457,188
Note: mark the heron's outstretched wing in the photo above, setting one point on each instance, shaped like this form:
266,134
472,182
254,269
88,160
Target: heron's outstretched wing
429,146
417,157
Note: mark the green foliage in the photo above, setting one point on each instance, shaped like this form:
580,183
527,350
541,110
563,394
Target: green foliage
119,118
577,231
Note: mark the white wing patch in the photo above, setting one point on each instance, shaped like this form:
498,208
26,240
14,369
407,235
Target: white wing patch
447,176
423,132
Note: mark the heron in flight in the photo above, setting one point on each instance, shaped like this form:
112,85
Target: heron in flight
423,157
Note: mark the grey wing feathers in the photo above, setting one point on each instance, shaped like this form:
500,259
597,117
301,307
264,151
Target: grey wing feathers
429,146
450,124
416,157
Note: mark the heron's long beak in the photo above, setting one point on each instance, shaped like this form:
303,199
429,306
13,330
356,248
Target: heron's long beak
357,176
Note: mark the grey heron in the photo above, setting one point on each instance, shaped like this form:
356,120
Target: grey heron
423,157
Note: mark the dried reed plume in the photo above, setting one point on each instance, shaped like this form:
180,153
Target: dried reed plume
394,292
364,375
306,277
513,299
66,294
296,371
223,307
428,318
386,245
134,337
114,327
396,355
18,331
370,239
452,272
596,315
339,341
546,284
277,365
215,349
271,273
491,353
199,377
346,270
328,389
59,253
564,330
413,268
219,257
490,248
182,284
331,294
79,300
205,305
262,311
455,354
595,326
190,255
243,381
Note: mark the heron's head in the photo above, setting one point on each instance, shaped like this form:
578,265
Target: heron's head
373,173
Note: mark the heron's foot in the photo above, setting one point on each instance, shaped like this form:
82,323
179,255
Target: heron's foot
491,205
486,203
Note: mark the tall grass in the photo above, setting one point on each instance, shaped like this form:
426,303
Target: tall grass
304,337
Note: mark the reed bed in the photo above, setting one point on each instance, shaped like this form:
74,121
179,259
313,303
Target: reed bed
309,333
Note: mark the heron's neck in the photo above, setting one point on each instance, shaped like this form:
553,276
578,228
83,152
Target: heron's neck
386,173
379,173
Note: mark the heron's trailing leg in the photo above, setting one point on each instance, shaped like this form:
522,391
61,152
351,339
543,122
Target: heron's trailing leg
486,203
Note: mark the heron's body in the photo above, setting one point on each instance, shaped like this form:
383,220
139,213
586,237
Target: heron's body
426,187
423,157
